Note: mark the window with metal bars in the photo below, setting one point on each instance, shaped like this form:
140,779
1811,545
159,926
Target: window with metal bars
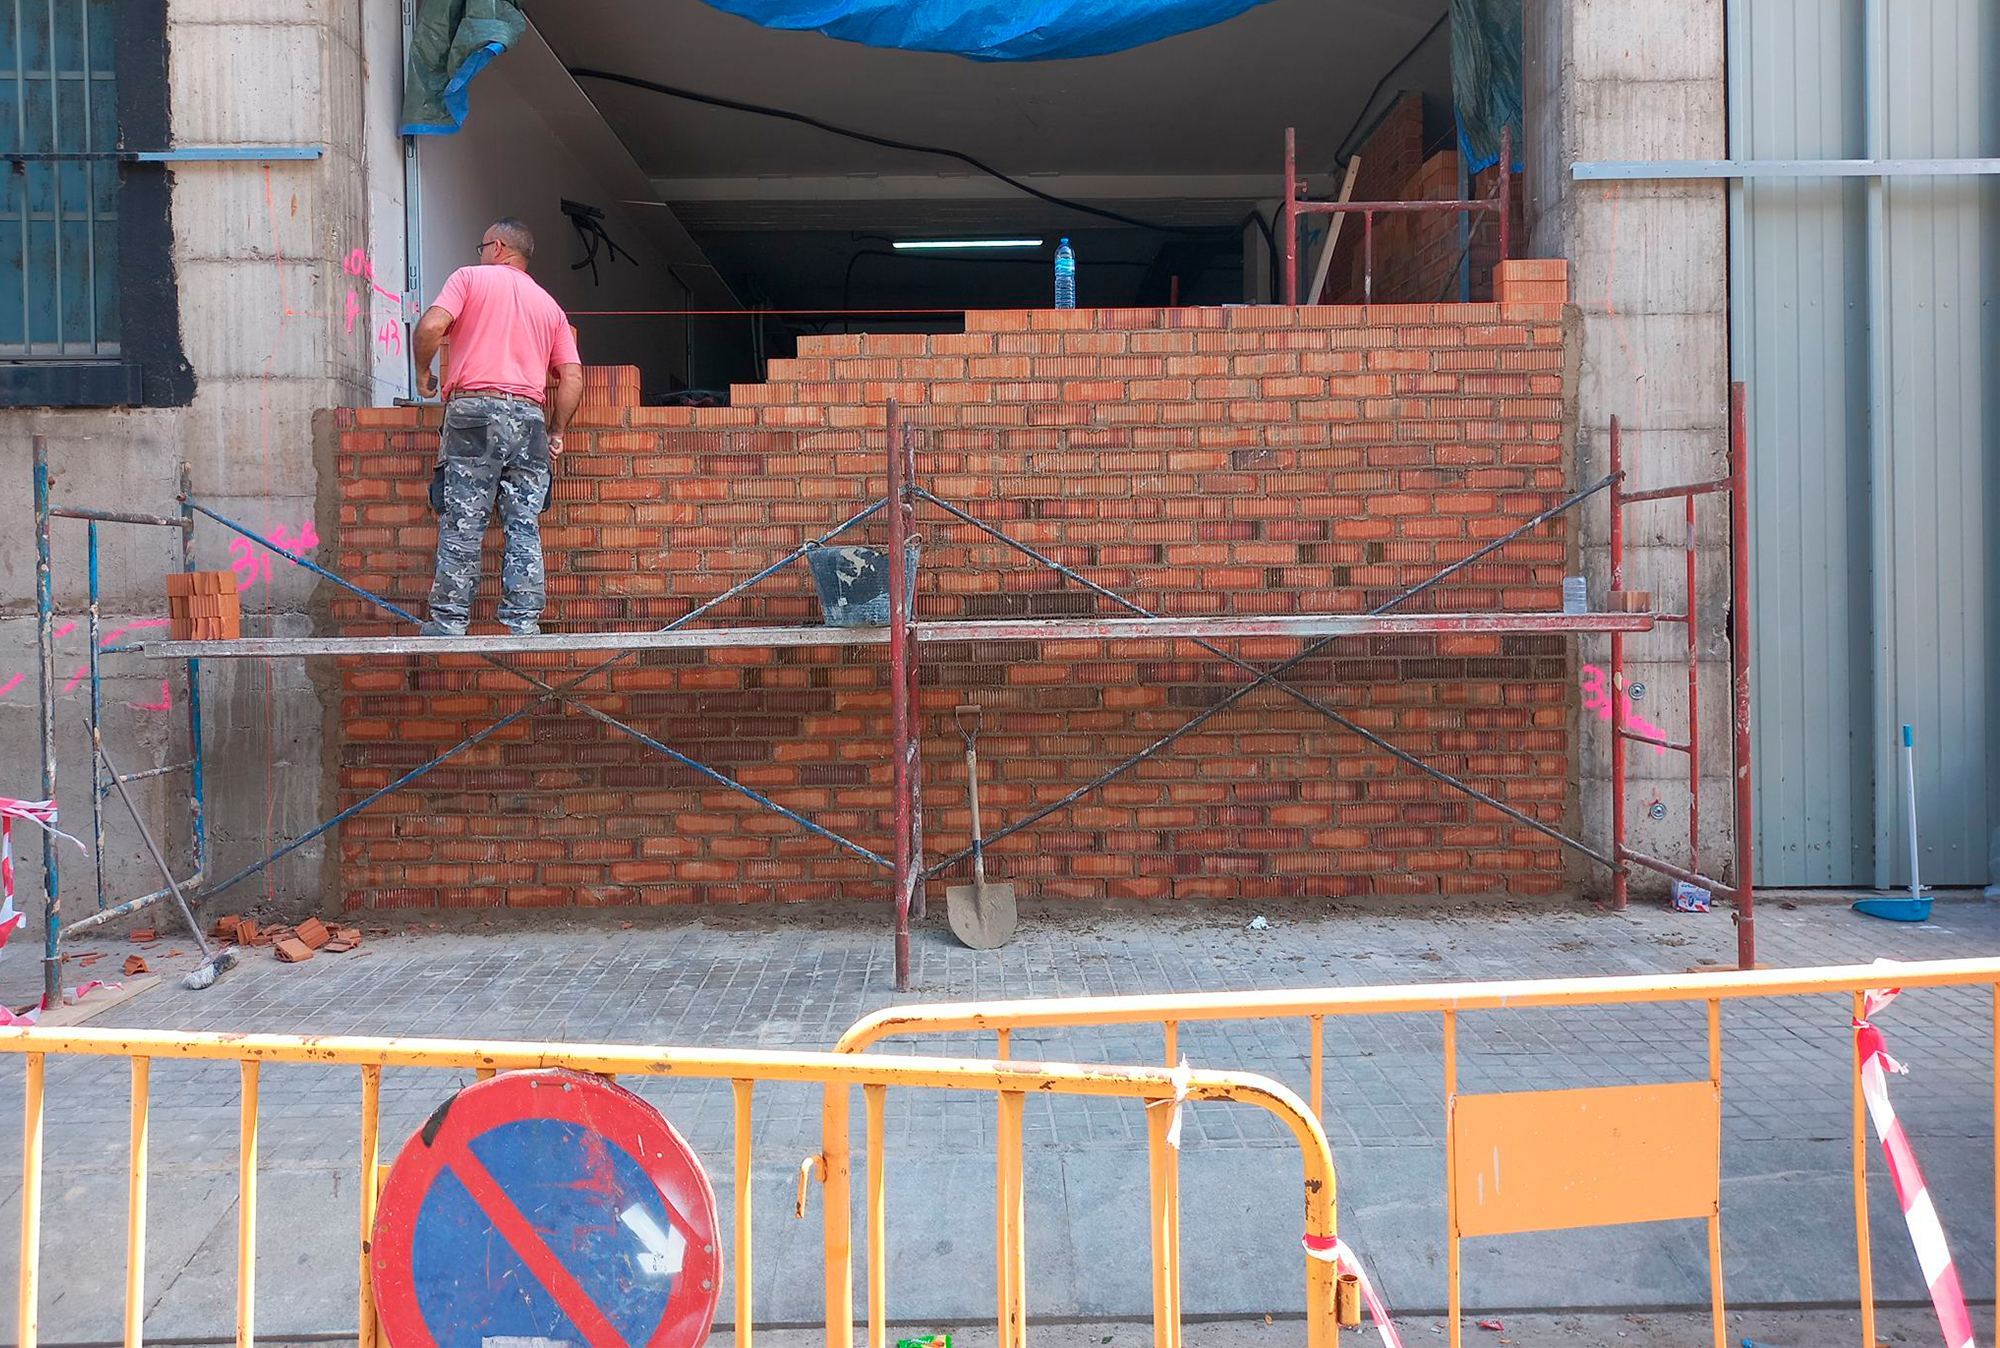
89,295
59,275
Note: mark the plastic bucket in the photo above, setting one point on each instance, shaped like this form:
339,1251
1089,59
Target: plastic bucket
853,584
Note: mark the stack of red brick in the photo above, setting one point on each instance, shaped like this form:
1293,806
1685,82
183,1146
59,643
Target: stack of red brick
204,606
1204,461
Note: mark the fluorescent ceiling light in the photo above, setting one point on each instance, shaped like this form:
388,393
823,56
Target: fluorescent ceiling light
913,245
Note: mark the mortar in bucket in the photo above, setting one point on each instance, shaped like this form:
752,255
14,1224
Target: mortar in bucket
853,583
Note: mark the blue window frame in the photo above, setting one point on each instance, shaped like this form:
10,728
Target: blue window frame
59,233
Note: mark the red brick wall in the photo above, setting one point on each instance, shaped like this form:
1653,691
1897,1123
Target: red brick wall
1202,460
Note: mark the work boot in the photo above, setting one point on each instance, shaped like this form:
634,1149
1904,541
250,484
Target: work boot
437,629
526,629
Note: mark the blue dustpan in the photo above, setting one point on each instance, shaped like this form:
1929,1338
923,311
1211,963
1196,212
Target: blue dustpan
1916,908
1895,910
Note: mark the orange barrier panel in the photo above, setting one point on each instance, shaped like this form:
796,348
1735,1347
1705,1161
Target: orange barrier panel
836,1074
1590,1157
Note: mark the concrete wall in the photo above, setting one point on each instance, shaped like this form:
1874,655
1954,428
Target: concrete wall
262,256
1607,80
531,140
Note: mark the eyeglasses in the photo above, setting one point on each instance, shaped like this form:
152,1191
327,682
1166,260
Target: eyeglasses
484,244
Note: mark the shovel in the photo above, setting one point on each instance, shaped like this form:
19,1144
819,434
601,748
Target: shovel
981,915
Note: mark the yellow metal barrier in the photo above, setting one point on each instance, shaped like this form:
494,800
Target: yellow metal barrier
837,1074
1648,1172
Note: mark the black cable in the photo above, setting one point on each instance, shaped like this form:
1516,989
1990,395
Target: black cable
735,105
868,138
1340,149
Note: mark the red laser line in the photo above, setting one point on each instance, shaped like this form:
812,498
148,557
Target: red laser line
751,313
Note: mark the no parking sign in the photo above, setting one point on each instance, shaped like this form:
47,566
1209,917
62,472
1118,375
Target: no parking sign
546,1207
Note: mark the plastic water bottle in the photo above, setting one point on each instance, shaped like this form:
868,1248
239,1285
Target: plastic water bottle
1065,277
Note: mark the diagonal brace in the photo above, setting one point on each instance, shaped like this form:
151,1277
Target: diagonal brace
551,692
1273,675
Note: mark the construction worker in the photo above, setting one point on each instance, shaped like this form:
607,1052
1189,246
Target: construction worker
507,335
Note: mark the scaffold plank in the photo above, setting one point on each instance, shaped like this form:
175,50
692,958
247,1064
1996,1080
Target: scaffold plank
1279,625
685,638
1001,629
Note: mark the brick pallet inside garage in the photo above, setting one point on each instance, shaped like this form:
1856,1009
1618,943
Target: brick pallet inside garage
1200,461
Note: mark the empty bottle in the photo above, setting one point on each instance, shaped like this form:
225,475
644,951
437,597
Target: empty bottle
1065,277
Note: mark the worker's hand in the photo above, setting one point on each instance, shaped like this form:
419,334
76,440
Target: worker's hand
555,448
427,383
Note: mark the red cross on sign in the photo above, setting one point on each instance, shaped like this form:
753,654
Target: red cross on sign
551,1206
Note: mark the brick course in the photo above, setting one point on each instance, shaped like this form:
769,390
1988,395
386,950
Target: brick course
1202,461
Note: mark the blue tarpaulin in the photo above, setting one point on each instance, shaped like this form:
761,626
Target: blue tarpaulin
1486,78
455,40
992,30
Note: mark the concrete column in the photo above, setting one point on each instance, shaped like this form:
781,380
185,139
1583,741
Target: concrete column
281,318
1607,80
261,261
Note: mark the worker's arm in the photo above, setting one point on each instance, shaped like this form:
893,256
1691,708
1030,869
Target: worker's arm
431,329
569,396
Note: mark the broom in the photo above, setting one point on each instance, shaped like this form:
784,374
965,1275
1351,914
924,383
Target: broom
1916,908
213,960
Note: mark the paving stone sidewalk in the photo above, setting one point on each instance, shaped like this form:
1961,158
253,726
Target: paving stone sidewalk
798,979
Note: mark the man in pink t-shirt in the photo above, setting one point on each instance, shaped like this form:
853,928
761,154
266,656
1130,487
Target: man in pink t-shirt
507,336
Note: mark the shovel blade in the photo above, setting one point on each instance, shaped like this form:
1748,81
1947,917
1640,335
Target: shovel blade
982,916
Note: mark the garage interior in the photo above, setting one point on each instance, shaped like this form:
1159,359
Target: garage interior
1162,164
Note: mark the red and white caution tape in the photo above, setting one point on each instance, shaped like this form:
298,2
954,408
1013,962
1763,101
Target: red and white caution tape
40,813
1183,1078
1335,1251
1926,1232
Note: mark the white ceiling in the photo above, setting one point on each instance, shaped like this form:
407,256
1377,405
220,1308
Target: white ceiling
1187,131
1214,102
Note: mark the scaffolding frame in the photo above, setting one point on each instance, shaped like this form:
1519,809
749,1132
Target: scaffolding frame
1735,484
47,510
905,636
1296,204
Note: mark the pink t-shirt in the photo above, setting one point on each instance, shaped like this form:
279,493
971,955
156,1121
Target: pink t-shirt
506,332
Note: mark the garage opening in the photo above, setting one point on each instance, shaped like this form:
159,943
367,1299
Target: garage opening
707,189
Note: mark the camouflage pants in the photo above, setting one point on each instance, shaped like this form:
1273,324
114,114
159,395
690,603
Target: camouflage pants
493,448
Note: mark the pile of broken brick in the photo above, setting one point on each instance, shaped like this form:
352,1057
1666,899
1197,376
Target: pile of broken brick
143,937
293,945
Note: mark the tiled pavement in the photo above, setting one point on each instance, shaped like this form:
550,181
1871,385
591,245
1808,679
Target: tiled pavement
798,979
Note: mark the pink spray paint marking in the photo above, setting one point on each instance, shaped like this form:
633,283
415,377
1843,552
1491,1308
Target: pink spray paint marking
108,639
253,563
390,334
163,705
1597,698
